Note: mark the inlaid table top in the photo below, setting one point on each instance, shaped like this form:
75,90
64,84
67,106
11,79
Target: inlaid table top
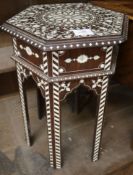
53,26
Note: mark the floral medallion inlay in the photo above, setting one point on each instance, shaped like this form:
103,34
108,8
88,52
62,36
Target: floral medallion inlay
65,87
29,51
40,83
97,83
82,59
68,21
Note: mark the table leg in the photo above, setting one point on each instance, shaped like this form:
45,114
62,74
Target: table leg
49,114
57,125
99,124
24,106
56,110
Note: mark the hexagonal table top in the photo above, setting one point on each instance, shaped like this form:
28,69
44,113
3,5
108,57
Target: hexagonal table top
70,21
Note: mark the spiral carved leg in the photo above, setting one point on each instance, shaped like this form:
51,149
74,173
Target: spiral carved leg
24,106
99,125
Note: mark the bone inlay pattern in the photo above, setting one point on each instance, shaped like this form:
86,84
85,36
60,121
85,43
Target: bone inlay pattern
108,58
82,59
57,129
56,108
49,124
64,46
45,86
28,50
68,21
15,49
22,75
67,87
23,105
44,66
99,124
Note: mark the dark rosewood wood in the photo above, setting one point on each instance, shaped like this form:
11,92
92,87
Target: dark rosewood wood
30,58
74,66
90,65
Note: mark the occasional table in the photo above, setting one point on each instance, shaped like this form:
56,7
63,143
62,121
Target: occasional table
63,46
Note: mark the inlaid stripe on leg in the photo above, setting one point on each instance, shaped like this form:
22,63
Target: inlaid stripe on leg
15,49
44,65
49,124
108,58
23,106
55,64
56,109
56,104
100,118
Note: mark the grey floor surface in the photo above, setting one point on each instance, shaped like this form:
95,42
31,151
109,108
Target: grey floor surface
77,137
